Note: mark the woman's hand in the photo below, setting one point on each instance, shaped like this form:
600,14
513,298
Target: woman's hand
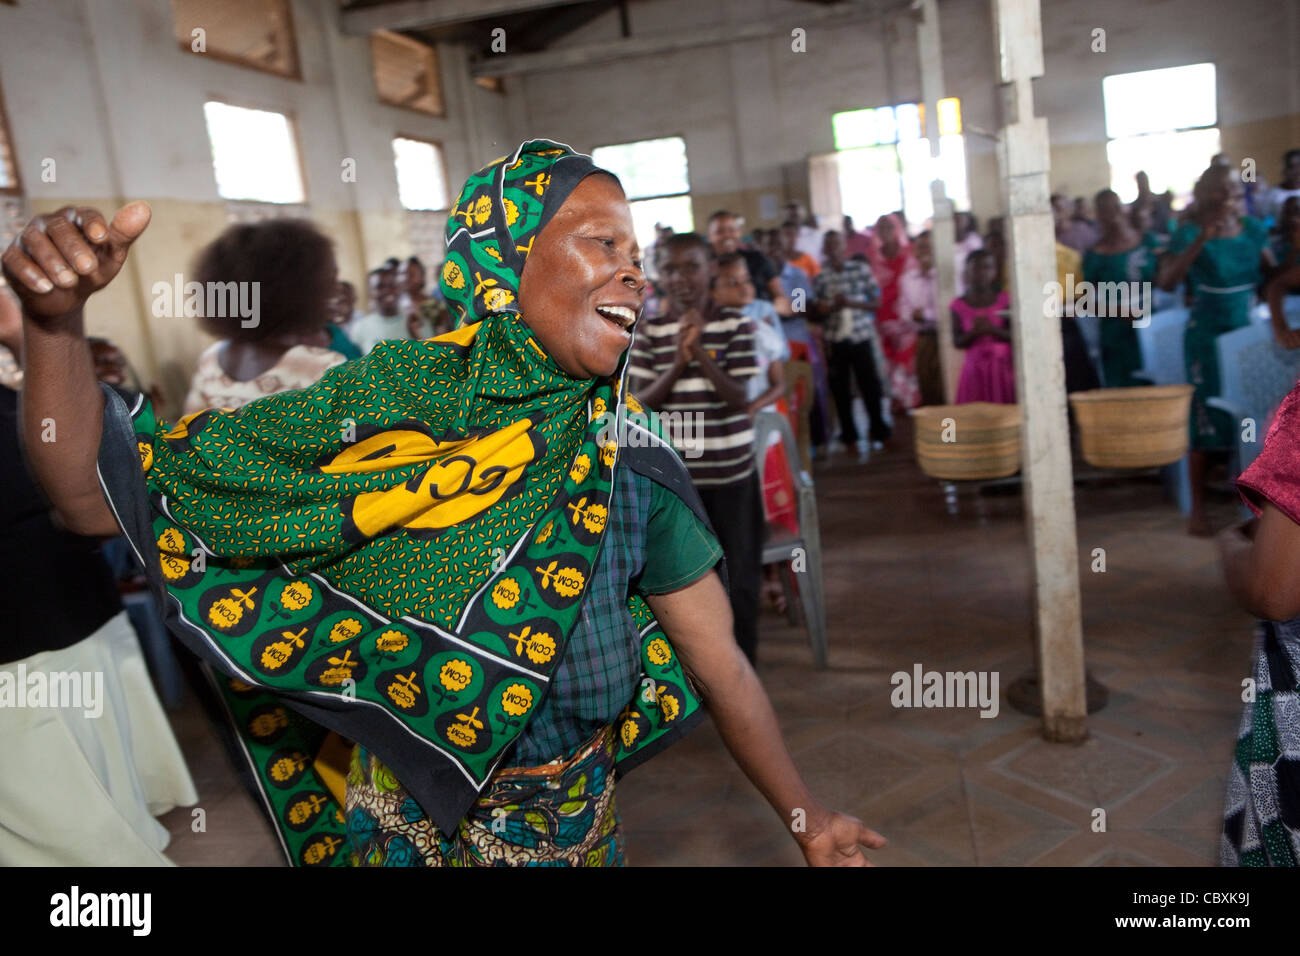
697,619
1213,227
53,266
60,259
838,841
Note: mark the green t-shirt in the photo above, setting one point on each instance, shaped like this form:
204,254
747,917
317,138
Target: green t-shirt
679,548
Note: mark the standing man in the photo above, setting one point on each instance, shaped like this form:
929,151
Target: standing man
847,295
724,237
693,360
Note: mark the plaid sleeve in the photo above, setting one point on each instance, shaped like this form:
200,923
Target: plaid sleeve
870,288
819,286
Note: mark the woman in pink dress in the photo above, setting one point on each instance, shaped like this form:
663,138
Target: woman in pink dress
981,327
890,255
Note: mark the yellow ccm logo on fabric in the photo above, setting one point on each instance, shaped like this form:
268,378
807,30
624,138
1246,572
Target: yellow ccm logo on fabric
464,479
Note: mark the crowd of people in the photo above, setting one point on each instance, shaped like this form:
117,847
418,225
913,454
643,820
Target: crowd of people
261,476
797,320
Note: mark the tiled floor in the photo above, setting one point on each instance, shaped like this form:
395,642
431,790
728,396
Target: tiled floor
908,583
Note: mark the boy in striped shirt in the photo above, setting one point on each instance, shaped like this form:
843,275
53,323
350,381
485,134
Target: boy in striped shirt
692,361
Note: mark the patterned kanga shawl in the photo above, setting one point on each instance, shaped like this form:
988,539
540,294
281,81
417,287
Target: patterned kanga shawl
400,552
1261,820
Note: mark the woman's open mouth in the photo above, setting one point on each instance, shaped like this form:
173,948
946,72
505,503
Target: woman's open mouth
619,315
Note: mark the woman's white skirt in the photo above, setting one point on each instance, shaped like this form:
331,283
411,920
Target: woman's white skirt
81,784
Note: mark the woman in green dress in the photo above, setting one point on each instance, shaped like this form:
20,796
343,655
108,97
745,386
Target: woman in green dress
473,555
1222,254
1120,255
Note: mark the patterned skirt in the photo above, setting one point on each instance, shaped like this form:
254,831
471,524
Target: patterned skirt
559,814
1261,824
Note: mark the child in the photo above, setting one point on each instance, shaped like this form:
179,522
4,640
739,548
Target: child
733,288
981,327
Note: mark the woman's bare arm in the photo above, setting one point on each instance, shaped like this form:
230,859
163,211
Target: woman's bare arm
1263,571
1275,293
697,619
53,266
1174,265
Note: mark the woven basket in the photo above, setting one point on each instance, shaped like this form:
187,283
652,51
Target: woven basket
1133,427
985,441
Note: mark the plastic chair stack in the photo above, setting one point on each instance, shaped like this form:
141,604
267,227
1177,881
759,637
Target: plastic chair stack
1255,374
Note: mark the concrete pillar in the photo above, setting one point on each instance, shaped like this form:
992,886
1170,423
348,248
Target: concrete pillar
942,235
1023,162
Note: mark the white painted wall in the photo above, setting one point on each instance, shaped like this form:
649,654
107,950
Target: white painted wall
85,80
101,87
783,101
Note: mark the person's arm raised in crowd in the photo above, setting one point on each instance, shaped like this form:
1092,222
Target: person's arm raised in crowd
53,266
1174,265
698,621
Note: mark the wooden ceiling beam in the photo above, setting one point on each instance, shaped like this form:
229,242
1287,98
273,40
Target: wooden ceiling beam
423,14
851,11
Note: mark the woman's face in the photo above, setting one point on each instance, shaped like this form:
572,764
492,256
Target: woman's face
1108,209
582,286
1223,195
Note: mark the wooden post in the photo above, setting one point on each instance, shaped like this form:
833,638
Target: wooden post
941,234
1024,162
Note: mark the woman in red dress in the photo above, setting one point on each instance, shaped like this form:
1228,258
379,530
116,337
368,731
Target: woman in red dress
890,255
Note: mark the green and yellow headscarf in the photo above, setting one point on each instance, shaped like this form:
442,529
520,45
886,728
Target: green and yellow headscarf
500,211
400,552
